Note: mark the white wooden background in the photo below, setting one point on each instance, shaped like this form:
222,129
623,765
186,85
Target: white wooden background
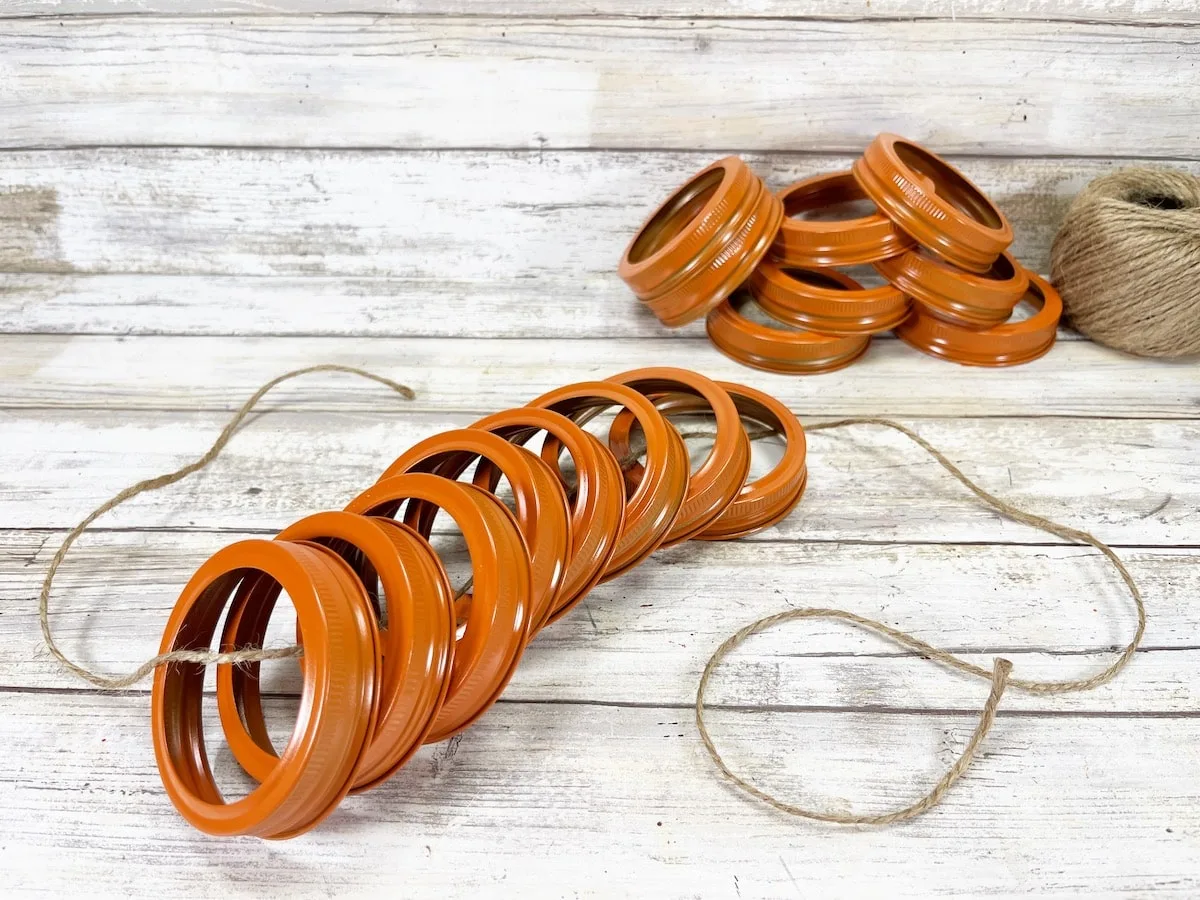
196,195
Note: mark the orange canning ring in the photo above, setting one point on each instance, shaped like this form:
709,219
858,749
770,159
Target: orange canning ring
651,509
933,202
762,501
541,504
597,503
779,350
713,486
956,296
838,242
702,242
1004,345
416,642
338,705
498,617
826,300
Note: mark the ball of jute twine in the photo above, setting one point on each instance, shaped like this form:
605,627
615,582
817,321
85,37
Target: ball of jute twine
1127,262
999,675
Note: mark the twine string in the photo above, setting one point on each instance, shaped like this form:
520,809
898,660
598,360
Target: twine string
119,682
999,675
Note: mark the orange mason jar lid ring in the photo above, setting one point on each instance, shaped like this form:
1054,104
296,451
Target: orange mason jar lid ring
781,350
933,202
762,501
825,300
651,508
960,297
541,505
1003,345
597,502
833,242
702,243
337,707
717,480
498,620
416,643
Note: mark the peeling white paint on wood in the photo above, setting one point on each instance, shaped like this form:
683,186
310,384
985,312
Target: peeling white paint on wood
178,241
1077,378
1140,12
565,800
1018,88
1131,481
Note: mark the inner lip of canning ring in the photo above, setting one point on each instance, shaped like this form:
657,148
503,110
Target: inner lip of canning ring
1002,269
816,279
830,203
948,184
676,214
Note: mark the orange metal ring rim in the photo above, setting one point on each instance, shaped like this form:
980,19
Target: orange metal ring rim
499,617
702,242
692,298
1004,345
826,301
598,507
763,501
541,504
840,242
933,202
652,507
715,484
957,296
683,227
777,349
336,715
416,644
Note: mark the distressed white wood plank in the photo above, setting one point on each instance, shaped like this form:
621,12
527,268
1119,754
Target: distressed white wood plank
456,244
1019,88
317,306
463,218
1133,11
644,638
1131,481
550,801
195,373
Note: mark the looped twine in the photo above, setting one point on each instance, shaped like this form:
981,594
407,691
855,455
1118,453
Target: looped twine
119,682
999,675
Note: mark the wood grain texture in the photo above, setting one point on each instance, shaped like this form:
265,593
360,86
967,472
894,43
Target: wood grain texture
550,801
1057,612
1132,11
1133,482
1015,88
378,243
1076,378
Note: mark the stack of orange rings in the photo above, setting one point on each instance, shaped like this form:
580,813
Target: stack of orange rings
391,659
937,240
702,242
1001,345
780,349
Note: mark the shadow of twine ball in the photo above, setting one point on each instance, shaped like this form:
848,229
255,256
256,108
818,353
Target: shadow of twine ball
1127,262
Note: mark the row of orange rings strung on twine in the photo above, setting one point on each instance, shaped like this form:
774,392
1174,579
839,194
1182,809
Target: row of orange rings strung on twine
768,270
392,659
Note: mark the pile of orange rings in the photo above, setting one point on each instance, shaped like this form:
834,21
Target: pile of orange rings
392,659
768,271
